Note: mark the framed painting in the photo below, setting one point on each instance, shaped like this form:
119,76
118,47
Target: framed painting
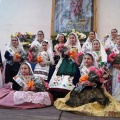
73,14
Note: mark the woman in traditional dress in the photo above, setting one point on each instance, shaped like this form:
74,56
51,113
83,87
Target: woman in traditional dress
13,63
63,76
60,40
38,40
111,40
116,72
89,98
43,66
87,46
32,94
100,55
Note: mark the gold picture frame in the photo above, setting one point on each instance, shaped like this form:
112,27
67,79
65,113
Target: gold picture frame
90,22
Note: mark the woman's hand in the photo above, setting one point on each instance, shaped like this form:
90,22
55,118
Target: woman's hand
16,60
42,64
88,83
67,52
33,88
26,88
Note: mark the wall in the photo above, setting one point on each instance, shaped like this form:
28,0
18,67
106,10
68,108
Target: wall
108,16
24,16
34,15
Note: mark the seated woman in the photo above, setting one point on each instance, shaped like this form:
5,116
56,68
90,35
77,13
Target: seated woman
13,62
32,94
60,40
62,79
44,59
89,98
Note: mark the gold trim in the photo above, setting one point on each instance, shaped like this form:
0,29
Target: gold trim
52,17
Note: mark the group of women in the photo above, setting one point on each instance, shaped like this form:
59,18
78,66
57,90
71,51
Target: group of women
57,77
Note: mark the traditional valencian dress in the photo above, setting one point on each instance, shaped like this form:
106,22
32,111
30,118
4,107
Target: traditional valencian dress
40,71
25,99
101,58
12,68
91,101
87,46
63,76
115,72
109,43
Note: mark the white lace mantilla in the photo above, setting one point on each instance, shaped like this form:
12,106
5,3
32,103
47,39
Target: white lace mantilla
42,98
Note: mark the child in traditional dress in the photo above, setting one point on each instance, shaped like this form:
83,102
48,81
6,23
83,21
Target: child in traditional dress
42,67
32,94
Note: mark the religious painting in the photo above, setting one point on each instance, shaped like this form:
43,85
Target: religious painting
73,14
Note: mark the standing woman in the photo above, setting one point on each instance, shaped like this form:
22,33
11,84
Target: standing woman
87,46
63,76
60,40
38,40
111,40
12,64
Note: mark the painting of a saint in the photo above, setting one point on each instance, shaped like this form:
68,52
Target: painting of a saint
73,14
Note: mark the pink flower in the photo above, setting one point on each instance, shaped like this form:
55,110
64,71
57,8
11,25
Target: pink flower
79,54
92,68
119,78
98,72
101,71
101,80
30,57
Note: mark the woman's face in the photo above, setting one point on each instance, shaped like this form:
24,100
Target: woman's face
118,40
91,36
88,61
61,38
96,45
44,46
72,39
114,33
24,69
40,36
14,42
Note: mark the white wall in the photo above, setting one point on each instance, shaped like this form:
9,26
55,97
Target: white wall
108,16
34,15
24,16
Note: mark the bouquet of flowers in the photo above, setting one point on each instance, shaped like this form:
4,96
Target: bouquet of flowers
40,85
73,53
18,55
79,58
61,48
32,53
39,59
114,58
94,74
